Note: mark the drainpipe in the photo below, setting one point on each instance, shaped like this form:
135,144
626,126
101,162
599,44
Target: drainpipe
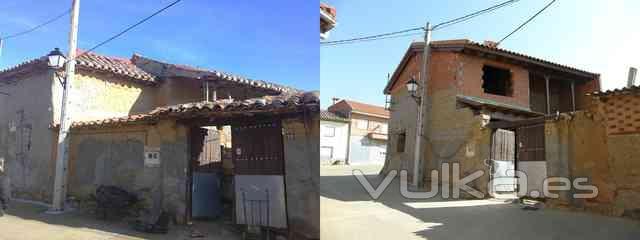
418,164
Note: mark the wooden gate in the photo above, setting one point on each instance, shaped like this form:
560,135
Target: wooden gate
258,149
206,151
503,161
531,143
531,157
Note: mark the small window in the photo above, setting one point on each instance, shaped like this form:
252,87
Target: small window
329,131
361,124
402,139
497,81
326,152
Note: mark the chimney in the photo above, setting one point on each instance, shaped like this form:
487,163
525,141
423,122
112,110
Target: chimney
632,77
490,44
335,100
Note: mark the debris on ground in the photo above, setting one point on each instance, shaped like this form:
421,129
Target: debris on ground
161,225
112,199
530,204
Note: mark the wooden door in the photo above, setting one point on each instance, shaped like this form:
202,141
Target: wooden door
258,148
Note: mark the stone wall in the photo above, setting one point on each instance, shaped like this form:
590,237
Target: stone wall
115,156
302,180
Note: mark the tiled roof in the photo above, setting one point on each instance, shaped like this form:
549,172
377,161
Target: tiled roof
329,116
195,72
263,104
96,62
365,108
120,66
331,11
268,104
617,91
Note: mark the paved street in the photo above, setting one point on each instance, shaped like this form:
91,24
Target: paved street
347,212
28,222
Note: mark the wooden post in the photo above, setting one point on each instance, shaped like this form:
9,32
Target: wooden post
546,79
573,95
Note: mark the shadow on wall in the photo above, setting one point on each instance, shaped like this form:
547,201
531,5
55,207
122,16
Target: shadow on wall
467,219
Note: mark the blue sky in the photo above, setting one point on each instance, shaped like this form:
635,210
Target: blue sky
269,40
597,36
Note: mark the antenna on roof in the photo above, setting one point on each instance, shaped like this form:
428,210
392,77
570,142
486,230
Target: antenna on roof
632,77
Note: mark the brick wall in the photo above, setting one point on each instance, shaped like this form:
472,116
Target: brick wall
622,113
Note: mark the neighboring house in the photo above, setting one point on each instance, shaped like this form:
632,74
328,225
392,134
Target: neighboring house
327,20
474,92
334,137
367,131
157,129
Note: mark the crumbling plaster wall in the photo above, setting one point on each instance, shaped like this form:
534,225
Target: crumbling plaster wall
115,156
26,140
578,145
302,175
98,95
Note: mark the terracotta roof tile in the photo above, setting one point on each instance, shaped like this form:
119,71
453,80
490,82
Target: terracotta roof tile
94,61
281,104
365,108
617,91
115,65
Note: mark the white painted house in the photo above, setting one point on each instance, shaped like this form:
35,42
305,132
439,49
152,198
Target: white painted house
334,136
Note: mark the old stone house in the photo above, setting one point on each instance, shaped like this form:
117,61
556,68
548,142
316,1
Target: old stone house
367,131
156,129
473,92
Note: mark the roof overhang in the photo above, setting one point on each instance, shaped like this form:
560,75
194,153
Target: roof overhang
535,65
482,104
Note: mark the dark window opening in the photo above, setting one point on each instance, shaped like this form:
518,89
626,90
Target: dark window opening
402,138
496,81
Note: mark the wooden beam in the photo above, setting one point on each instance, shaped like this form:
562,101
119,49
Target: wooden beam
573,96
515,124
546,79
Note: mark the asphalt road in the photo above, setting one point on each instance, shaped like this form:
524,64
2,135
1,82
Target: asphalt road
348,212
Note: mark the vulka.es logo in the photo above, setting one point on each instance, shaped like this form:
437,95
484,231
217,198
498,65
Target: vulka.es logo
550,186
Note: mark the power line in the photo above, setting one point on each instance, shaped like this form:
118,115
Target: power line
38,26
374,39
129,28
437,26
525,23
370,37
472,15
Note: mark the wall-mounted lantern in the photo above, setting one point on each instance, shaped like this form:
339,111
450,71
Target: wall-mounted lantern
56,59
412,88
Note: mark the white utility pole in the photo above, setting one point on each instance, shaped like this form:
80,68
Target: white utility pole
60,182
418,164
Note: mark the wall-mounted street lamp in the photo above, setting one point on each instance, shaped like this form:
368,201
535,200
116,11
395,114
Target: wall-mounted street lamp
56,59
412,88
